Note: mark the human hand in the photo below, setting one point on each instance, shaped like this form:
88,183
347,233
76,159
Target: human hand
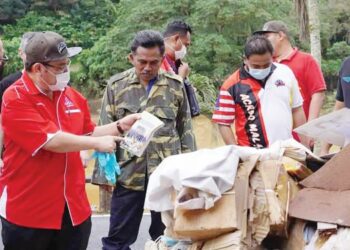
84,156
127,121
184,70
107,143
107,188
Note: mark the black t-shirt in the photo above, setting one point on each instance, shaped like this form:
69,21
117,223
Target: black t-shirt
343,88
7,82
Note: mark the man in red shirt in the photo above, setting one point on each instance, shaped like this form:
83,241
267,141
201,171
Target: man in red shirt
177,38
304,66
43,203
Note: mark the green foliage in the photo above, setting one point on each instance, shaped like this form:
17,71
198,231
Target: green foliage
105,28
12,9
206,92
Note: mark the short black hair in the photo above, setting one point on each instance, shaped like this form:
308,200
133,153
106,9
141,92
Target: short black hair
257,45
177,27
148,39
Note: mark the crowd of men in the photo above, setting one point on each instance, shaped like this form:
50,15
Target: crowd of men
46,123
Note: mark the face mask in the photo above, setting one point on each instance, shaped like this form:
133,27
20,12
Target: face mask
179,54
62,81
260,74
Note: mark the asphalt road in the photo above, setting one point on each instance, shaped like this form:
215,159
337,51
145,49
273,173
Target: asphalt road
100,225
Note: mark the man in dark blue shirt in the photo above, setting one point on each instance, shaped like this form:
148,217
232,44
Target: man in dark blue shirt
343,88
342,98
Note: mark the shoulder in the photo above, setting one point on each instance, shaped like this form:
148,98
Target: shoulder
282,69
346,63
170,76
121,76
73,93
307,58
10,79
232,80
16,93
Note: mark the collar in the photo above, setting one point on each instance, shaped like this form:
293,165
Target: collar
133,79
29,84
289,57
171,62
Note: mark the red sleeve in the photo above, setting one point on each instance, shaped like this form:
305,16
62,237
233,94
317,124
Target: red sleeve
314,77
89,125
25,126
224,112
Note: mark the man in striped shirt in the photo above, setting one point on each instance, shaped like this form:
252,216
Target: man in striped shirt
261,98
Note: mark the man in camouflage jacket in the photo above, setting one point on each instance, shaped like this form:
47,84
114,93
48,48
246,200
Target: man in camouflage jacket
143,88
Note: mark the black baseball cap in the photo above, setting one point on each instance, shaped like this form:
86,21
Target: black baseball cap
274,26
47,46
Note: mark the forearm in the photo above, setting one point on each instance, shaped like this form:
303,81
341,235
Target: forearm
227,135
64,142
108,129
298,120
316,105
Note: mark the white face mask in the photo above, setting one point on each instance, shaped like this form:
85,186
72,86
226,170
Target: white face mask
62,81
260,74
179,54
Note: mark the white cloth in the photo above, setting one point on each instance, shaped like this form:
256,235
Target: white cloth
211,171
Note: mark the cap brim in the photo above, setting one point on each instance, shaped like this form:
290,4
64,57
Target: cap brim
262,32
73,51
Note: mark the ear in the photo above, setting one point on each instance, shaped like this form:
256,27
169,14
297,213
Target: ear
36,68
131,58
281,35
245,60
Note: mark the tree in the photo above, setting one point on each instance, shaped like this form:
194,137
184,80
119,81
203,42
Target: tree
309,23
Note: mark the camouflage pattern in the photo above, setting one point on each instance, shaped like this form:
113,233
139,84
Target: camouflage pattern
125,95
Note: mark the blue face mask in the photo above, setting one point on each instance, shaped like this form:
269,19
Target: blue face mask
260,74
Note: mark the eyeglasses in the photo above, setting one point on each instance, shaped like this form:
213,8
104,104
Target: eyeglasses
60,68
4,58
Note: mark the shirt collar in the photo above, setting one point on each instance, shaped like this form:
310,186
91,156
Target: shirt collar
290,56
29,84
172,64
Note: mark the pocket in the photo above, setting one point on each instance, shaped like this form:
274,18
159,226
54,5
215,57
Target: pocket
168,116
124,110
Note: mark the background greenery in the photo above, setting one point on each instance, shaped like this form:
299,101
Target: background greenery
104,28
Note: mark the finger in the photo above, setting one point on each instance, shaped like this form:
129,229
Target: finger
118,138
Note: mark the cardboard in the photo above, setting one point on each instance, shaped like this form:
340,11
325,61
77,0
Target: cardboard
322,206
229,213
334,175
230,241
202,224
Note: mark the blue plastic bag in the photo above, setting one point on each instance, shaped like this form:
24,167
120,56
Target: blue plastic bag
108,166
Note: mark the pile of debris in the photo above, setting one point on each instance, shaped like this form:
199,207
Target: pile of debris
227,198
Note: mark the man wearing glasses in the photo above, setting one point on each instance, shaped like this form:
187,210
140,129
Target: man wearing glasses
43,203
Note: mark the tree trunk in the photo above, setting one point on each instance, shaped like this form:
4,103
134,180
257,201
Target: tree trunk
314,28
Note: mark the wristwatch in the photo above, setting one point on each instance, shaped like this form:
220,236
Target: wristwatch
119,128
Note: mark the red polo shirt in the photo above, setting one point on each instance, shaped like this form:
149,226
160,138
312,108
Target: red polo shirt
308,73
35,184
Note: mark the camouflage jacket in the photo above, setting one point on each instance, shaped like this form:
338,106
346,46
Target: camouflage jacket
125,95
